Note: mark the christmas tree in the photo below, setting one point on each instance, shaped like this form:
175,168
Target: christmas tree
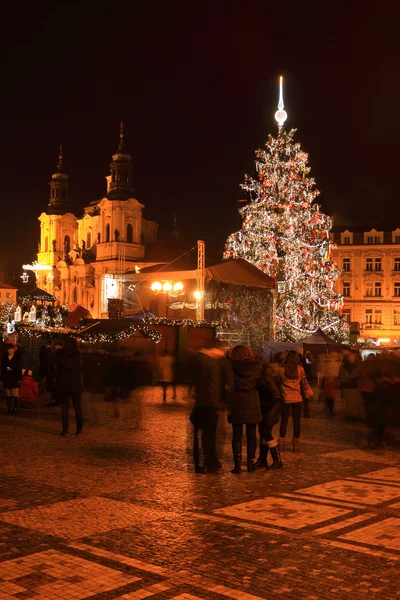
285,234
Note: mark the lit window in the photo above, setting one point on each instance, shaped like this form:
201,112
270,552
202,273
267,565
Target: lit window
396,317
368,289
378,317
346,265
347,314
368,315
368,264
378,288
346,289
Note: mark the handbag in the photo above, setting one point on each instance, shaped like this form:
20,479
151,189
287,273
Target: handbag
306,390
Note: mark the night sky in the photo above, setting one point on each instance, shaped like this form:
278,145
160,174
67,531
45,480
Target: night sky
196,84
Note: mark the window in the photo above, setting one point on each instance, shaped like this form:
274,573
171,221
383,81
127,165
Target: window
89,240
346,289
377,240
368,315
129,233
396,316
378,317
347,314
378,288
346,240
370,239
378,264
397,239
8,295
46,244
397,289
368,264
107,232
346,265
67,243
368,289
397,264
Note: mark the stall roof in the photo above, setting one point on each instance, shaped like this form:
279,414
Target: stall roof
235,271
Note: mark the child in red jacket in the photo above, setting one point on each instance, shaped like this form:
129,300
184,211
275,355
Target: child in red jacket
29,390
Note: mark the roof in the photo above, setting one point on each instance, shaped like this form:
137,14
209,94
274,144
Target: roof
6,286
318,337
237,271
35,294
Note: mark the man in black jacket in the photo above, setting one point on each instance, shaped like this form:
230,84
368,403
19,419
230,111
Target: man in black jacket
211,383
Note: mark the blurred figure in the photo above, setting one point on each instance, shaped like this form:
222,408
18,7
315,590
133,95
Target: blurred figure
349,379
244,405
44,358
29,390
294,386
54,374
270,400
70,382
166,367
209,388
329,382
11,375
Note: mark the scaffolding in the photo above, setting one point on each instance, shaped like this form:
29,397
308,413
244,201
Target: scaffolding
200,280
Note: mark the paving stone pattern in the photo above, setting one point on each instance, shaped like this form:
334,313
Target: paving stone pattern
119,513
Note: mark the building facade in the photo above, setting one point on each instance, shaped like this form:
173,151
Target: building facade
370,281
88,256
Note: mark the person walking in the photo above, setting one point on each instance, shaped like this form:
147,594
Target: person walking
54,374
11,375
167,374
270,400
209,388
70,384
244,406
349,379
294,385
44,359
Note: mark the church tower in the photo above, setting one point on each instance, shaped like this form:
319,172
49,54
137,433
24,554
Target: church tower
120,181
59,204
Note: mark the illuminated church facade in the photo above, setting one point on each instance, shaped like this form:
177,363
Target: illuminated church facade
87,257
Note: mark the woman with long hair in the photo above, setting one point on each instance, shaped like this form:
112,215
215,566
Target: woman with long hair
244,405
291,379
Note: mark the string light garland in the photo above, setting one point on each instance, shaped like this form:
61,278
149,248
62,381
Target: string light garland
286,236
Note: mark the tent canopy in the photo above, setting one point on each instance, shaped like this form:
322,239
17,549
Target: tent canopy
317,343
35,293
318,337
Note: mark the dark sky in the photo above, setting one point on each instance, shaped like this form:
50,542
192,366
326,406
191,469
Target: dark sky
196,84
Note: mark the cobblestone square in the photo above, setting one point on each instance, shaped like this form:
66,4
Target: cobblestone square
120,514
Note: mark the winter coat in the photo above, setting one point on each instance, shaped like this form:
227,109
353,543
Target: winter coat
244,401
44,357
29,390
291,388
207,381
269,391
11,372
69,379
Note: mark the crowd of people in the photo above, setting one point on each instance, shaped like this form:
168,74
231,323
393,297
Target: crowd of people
60,373
259,395
256,394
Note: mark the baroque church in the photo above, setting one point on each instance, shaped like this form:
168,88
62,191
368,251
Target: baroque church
90,255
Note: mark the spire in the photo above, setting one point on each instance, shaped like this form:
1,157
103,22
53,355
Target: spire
60,166
120,186
174,233
121,146
58,204
281,114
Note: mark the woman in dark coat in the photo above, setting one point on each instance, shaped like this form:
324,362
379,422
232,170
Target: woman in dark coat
69,383
244,405
11,375
270,399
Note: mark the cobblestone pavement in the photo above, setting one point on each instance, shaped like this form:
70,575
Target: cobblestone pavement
119,513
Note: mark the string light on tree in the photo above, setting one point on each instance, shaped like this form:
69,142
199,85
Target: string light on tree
285,234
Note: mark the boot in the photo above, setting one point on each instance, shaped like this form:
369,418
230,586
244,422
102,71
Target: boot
276,457
237,457
281,444
296,445
262,458
251,467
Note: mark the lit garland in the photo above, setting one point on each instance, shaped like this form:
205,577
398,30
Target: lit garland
86,336
182,322
286,236
7,310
